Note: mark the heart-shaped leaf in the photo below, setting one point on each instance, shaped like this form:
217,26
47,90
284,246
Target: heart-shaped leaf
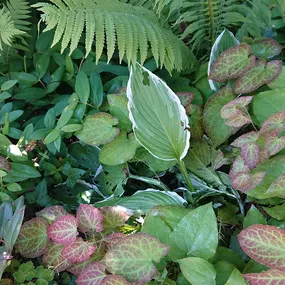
89,218
33,239
159,120
257,178
257,243
275,123
250,154
52,213
63,230
239,120
238,166
266,48
277,188
269,277
120,150
215,126
247,138
232,108
77,251
133,256
232,63
113,239
274,143
92,275
114,280
242,181
98,129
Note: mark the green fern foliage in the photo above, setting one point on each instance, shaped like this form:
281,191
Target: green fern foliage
131,29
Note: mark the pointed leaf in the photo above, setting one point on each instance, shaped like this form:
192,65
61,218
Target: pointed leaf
265,244
250,137
98,129
275,123
250,154
269,277
266,48
276,212
242,181
33,239
53,258
253,217
89,218
82,86
63,230
133,256
52,213
232,63
159,120
277,188
238,166
236,278
114,280
77,251
231,108
215,126
273,143
257,178
92,275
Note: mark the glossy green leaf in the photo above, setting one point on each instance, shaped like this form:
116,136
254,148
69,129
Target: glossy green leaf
236,278
14,187
52,136
96,86
42,65
279,82
253,217
71,128
50,118
277,212
31,94
159,120
8,85
82,87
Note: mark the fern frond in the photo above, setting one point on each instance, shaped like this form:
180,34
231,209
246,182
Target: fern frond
7,29
131,29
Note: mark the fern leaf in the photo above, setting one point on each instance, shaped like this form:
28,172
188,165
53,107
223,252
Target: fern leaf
132,29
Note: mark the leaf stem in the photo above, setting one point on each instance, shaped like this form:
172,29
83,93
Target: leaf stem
187,179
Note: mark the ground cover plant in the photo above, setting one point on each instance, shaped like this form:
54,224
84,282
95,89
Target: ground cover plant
142,142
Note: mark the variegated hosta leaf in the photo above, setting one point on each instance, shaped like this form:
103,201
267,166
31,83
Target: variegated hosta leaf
260,74
250,137
242,181
114,280
250,154
266,48
89,218
275,123
239,120
113,239
278,187
33,239
257,178
238,166
273,143
133,256
53,258
159,120
265,244
269,277
77,251
52,213
114,217
63,230
232,63
186,98
92,275
234,107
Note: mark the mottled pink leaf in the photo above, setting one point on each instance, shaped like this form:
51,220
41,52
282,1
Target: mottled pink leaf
265,244
277,188
266,48
52,213
89,218
92,275
114,280
272,71
239,120
53,259
133,256
245,139
231,108
257,178
186,98
273,143
232,63
250,154
63,230
113,239
32,240
242,181
238,166
269,277
78,251
264,155
275,123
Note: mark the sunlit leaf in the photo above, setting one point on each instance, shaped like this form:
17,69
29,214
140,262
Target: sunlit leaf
33,239
133,256
266,48
92,275
274,143
277,188
232,63
159,120
269,277
52,213
275,123
257,242
89,218
236,278
63,230
242,181
250,154
114,280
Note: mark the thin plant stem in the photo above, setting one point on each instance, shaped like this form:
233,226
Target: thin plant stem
187,179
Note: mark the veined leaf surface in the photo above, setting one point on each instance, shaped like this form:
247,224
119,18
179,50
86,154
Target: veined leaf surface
159,120
269,277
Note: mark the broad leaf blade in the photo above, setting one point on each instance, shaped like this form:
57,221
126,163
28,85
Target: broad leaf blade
52,213
159,120
269,277
92,275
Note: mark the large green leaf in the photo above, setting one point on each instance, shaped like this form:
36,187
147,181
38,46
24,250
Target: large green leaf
159,120
236,278
198,271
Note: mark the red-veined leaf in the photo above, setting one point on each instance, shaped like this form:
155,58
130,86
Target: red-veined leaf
89,218
238,166
53,258
114,280
273,143
257,178
269,277
186,98
32,240
266,48
239,120
272,71
265,244
113,239
242,181
250,154
78,251
264,155
133,256
277,188
232,63
63,230
245,139
275,123
231,108
92,275
52,213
